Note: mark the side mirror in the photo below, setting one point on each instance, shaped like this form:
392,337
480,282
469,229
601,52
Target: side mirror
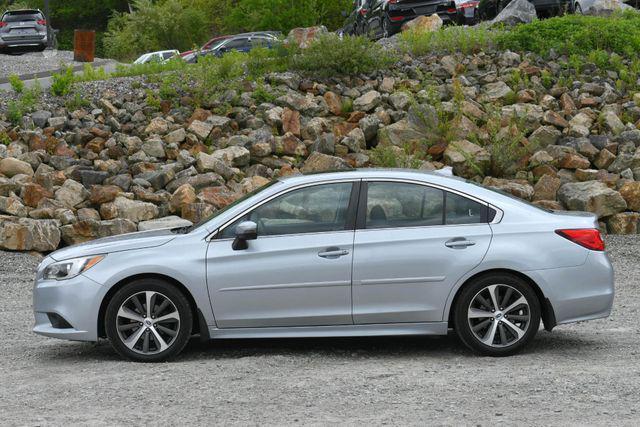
247,230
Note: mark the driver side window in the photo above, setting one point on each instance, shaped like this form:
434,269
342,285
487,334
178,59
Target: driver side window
315,209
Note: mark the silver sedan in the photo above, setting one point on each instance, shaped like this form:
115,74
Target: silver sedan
359,253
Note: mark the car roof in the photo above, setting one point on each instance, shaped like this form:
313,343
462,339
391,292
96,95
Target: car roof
383,173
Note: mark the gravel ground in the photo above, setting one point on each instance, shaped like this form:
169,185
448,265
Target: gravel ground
35,62
580,374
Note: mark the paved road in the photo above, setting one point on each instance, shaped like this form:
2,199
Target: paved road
580,374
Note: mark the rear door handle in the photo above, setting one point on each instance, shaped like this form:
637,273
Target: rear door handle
459,243
333,253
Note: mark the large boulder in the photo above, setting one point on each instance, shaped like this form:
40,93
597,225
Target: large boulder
11,167
467,158
30,235
303,37
71,194
132,210
591,196
368,101
83,231
516,12
424,24
517,187
318,162
630,192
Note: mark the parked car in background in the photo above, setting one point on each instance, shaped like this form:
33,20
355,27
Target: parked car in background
467,11
238,43
364,252
216,40
23,28
354,24
489,9
160,56
581,6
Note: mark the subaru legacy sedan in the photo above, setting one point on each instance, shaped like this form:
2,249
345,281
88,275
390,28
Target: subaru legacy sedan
355,253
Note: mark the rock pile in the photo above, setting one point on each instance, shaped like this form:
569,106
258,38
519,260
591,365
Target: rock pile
123,165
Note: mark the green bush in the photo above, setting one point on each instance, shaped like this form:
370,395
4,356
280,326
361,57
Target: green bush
62,82
577,34
331,56
170,24
16,84
450,39
283,15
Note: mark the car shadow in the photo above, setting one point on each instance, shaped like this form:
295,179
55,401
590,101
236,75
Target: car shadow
424,347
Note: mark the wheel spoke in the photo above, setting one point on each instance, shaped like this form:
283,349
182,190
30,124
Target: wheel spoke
518,318
145,342
139,307
520,301
481,325
150,298
161,343
128,327
503,334
475,313
507,296
171,316
493,291
127,313
484,301
491,334
134,338
161,307
167,331
519,332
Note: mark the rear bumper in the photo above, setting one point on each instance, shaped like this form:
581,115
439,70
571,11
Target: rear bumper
17,41
579,293
76,300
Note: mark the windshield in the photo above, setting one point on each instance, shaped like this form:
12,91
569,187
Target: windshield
232,205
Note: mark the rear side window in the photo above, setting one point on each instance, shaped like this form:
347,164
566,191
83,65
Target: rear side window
393,204
461,210
396,205
22,17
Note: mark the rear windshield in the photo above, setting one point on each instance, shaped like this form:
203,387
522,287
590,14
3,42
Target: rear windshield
22,16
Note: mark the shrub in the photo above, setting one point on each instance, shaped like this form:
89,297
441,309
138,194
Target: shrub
393,157
170,24
16,84
76,102
450,39
331,56
576,34
62,82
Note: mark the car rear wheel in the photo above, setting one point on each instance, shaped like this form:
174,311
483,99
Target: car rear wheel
497,315
148,320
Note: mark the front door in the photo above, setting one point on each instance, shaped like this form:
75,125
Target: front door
297,272
412,244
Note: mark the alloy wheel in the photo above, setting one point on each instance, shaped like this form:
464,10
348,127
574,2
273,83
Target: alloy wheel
499,315
148,322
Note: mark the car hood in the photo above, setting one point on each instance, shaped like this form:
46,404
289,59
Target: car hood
123,242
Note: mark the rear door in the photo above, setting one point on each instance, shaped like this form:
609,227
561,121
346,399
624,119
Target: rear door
413,242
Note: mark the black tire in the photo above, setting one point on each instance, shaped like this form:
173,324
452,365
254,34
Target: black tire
166,290
469,294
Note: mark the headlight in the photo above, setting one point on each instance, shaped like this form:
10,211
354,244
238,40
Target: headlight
70,268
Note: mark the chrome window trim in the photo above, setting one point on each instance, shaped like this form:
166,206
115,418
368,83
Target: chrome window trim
213,235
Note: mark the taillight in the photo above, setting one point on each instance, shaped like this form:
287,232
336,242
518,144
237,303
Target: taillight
451,10
587,237
3,24
363,12
41,22
396,18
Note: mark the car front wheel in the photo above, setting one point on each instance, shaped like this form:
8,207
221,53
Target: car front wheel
148,320
497,315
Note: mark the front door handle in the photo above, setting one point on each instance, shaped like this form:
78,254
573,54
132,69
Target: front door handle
459,243
333,253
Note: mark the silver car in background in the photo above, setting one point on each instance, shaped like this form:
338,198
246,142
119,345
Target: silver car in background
23,28
357,253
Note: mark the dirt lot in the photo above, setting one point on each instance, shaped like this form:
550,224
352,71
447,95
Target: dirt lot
586,373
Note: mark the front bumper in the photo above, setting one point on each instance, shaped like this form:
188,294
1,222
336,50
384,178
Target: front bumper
76,300
579,293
